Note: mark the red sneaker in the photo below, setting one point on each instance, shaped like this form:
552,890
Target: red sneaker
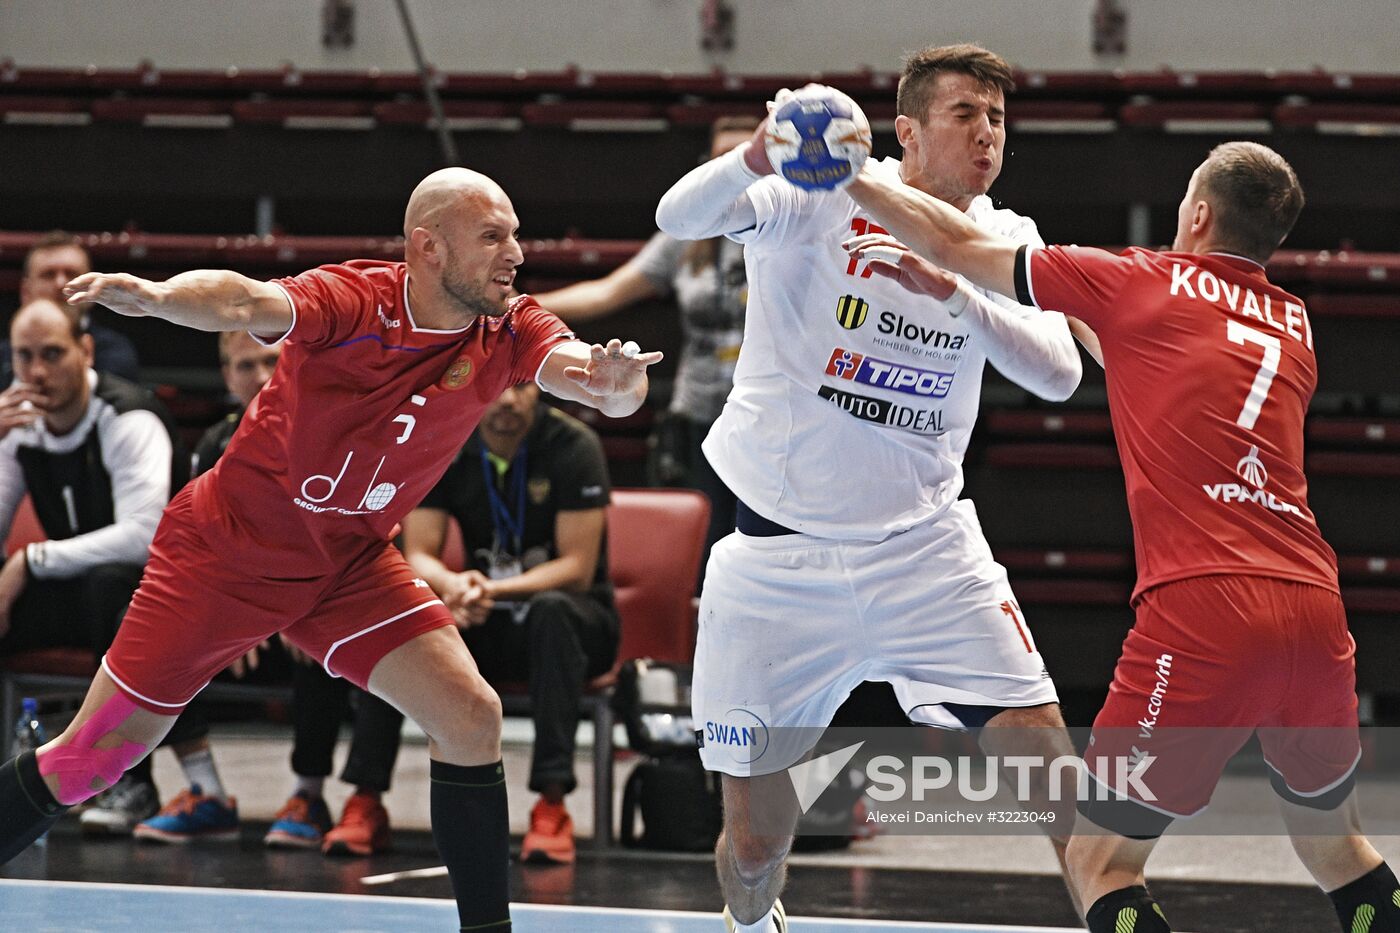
363,828
551,835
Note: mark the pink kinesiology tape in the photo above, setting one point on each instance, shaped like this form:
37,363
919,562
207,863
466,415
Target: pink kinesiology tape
78,762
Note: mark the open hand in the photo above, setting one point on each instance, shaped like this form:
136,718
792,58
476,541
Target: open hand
122,293
614,379
888,257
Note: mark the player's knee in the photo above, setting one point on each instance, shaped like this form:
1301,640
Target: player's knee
756,857
479,713
91,757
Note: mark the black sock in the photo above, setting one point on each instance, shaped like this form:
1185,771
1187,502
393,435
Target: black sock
472,830
1371,903
1127,910
27,809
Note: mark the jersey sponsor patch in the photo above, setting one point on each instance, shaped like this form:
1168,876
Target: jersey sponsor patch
885,412
884,374
851,311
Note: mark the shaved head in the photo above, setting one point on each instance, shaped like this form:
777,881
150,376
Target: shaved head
460,244
443,190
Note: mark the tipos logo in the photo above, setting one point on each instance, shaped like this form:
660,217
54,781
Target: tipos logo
851,311
458,374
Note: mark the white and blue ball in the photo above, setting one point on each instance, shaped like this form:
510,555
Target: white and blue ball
818,139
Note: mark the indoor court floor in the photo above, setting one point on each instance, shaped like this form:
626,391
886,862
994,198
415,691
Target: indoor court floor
896,883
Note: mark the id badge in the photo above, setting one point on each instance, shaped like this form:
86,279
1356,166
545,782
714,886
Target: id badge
503,567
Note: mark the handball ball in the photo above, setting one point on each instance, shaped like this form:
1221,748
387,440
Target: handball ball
818,139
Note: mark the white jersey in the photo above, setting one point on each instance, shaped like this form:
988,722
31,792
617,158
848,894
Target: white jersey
853,399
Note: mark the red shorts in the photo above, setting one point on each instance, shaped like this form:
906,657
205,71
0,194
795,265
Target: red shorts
1210,662
209,594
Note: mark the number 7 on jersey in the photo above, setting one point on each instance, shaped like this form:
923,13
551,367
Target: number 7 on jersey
1268,369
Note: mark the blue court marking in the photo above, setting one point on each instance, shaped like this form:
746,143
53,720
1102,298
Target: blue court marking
78,907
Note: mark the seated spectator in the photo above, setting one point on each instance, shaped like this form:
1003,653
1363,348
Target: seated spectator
51,263
706,280
319,701
96,456
529,491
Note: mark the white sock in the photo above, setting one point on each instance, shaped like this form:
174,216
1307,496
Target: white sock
765,924
199,769
312,788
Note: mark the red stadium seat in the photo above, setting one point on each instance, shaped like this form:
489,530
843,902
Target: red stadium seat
1097,85
1051,424
1336,85
306,114
599,116
24,529
1197,116
174,112
1212,84
655,538
1332,463
460,114
1354,305
1358,119
1053,456
46,110
1357,433
1350,270
1060,116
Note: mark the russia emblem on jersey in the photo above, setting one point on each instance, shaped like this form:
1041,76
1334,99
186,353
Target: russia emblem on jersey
851,311
458,374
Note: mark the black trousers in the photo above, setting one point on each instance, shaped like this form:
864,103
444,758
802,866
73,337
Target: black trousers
85,612
320,704
565,640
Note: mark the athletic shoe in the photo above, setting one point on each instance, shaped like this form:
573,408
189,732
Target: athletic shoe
191,815
301,824
779,918
551,835
363,828
118,809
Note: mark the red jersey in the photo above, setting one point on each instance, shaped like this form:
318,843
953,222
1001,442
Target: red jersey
363,415
1210,370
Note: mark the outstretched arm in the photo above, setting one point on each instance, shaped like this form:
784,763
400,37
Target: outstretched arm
204,300
939,232
612,378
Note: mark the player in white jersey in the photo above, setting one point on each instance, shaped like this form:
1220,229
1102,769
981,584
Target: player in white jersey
843,439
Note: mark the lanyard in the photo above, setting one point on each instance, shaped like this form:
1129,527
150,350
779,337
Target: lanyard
508,527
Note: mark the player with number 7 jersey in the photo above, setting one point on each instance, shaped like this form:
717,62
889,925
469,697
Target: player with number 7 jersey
1210,369
1240,627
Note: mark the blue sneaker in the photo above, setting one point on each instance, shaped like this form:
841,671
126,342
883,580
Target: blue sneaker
301,824
191,815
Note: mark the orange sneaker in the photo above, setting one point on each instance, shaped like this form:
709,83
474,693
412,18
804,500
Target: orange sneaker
551,835
363,828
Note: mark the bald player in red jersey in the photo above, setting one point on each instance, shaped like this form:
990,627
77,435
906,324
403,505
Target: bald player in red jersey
387,368
1240,625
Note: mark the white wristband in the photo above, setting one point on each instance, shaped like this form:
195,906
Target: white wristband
957,302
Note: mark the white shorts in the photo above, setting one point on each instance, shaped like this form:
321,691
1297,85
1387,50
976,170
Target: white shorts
790,625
